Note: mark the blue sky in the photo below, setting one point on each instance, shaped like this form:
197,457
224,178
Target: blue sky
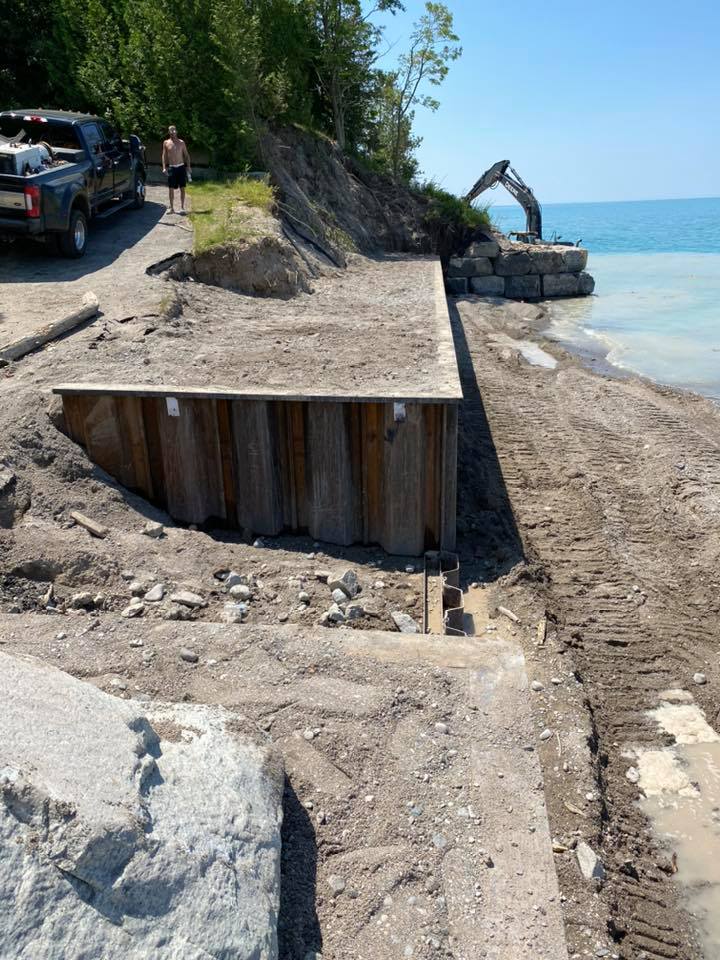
589,100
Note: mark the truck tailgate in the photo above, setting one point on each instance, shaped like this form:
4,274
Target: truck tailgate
12,197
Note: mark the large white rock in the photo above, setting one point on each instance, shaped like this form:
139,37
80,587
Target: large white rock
130,834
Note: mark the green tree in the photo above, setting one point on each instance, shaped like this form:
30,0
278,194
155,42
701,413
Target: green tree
433,47
347,51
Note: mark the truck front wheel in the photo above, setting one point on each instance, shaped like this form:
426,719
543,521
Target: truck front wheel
73,242
138,192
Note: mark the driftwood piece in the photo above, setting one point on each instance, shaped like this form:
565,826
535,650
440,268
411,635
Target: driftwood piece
92,526
50,331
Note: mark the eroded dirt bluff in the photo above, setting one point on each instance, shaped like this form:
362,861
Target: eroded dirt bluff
611,491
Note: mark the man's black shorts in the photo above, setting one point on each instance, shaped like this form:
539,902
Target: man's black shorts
177,177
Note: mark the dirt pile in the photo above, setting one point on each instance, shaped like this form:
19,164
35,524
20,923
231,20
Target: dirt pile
271,261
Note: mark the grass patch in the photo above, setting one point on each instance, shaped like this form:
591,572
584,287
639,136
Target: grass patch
220,211
448,208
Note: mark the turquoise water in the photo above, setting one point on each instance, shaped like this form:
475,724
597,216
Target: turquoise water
656,264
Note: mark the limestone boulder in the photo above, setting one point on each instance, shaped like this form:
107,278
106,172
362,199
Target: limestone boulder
469,267
457,286
586,284
488,286
560,285
513,264
575,259
546,261
523,288
129,833
483,248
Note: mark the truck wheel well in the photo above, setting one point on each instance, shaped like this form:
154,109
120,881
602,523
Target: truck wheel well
80,203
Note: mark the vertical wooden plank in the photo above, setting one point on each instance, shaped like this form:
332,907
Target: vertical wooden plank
225,436
131,427
433,420
357,470
258,478
373,449
109,439
404,482
328,472
448,510
192,460
285,460
75,410
297,413
150,414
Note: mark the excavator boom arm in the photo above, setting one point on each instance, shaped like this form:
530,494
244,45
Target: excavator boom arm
516,187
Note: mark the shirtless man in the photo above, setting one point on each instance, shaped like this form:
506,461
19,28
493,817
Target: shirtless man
176,164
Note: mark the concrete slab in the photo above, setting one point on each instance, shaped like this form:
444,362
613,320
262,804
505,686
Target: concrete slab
39,288
413,775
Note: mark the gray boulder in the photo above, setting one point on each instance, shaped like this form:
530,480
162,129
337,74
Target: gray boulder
127,834
546,261
457,286
483,248
404,622
575,259
523,288
512,264
460,267
586,284
488,286
560,285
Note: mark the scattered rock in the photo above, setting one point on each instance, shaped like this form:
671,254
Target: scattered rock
309,734
633,774
404,622
322,575
304,597
241,591
442,728
232,579
345,580
177,612
81,601
354,611
339,596
188,599
188,655
234,612
337,884
134,610
136,642
546,734
537,686
589,862
156,593
379,585
258,543
153,529
335,614
137,588
699,679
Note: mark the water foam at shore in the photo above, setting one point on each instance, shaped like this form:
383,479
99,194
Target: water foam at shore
654,314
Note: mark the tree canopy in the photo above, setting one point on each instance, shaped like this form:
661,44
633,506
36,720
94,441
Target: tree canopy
219,69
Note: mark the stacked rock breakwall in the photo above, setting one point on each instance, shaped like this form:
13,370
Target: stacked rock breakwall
519,271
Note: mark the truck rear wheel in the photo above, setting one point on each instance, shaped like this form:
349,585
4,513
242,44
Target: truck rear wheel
73,242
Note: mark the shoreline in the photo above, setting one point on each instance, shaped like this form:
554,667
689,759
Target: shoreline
593,354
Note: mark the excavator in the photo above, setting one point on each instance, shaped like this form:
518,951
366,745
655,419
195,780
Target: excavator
516,186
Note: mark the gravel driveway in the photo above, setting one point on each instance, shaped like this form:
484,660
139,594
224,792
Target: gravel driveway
37,287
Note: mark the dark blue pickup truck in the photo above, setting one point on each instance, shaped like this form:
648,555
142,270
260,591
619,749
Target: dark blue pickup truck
58,170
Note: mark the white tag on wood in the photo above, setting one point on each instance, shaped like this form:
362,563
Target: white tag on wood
173,407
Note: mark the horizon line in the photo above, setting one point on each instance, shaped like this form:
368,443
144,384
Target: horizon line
557,203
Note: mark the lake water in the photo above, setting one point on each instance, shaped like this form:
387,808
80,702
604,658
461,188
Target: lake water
656,263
